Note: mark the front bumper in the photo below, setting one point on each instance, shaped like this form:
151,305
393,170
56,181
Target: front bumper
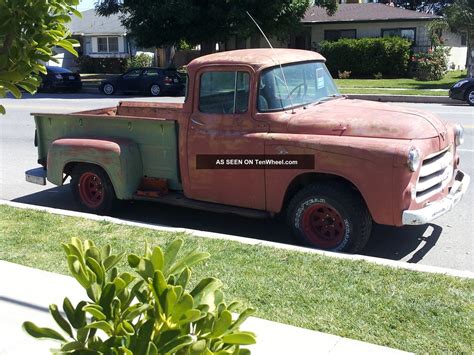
456,94
436,209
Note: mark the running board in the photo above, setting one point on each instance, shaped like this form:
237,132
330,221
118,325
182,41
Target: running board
177,199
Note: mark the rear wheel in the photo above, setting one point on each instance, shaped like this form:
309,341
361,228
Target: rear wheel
330,216
108,89
470,96
155,90
92,189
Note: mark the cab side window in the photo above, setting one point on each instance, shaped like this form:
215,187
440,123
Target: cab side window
224,92
151,72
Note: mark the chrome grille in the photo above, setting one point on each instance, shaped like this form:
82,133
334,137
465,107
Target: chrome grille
435,173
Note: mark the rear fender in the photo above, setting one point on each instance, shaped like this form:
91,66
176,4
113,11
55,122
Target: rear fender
120,158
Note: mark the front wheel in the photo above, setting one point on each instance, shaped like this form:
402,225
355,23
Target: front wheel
470,96
92,189
330,216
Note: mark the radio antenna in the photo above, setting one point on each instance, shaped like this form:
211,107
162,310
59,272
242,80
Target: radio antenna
276,57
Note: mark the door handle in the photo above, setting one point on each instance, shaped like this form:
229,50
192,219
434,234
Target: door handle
193,120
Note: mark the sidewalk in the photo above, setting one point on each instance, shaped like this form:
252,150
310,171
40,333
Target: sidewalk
25,294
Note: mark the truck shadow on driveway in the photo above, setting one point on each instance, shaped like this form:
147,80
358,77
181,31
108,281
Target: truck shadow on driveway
386,241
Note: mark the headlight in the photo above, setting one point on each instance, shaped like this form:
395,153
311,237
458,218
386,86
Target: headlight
458,134
413,160
58,76
460,83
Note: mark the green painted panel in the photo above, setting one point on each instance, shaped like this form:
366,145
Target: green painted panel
156,140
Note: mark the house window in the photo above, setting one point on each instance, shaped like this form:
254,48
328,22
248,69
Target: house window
464,39
334,35
107,44
102,44
224,92
408,33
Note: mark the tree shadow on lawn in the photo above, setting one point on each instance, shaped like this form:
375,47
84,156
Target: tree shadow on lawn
386,242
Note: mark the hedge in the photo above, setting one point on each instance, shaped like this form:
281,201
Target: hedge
101,65
365,57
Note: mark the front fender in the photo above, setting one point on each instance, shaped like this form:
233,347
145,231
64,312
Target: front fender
368,164
120,158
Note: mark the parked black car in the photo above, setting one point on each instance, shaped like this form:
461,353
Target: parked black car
60,79
149,81
463,90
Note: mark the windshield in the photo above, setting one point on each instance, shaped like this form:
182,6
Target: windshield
308,82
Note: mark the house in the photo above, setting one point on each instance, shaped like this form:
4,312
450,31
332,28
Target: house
360,20
356,20
99,37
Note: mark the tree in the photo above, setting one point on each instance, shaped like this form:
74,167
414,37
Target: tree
29,30
154,23
460,18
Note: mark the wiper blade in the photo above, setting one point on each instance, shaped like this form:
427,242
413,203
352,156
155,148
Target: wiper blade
327,98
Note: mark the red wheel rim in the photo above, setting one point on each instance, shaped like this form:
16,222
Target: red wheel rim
323,226
91,190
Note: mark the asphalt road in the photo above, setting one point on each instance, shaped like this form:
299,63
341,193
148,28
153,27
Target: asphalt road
446,243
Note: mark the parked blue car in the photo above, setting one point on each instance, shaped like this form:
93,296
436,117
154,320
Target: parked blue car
463,90
148,81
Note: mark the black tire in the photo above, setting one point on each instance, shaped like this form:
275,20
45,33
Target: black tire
92,189
154,90
108,89
330,216
470,96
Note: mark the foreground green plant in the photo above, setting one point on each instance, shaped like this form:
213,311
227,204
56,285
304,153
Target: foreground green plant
150,313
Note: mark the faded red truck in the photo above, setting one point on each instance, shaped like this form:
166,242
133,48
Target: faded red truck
368,161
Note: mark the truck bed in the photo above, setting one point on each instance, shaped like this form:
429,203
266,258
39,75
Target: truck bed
153,126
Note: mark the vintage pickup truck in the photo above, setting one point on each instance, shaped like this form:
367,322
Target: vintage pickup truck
368,161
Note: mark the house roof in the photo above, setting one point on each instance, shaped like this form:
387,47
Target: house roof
369,12
93,24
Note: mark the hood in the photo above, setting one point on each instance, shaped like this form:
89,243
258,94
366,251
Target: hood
365,119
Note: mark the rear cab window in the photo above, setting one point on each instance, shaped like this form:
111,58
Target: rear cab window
224,92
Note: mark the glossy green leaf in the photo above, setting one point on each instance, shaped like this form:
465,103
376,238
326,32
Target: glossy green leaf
222,324
171,252
151,349
38,332
72,346
242,318
176,344
133,260
157,259
53,309
102,325
188,261
95,312
240,338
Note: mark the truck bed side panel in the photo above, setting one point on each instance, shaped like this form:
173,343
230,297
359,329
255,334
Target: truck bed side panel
156,139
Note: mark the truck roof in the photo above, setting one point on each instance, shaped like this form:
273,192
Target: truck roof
257,57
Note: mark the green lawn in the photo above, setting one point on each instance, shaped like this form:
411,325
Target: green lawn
374,91
408,310
404,83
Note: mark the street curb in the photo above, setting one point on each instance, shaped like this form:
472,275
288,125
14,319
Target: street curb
406,98
211,235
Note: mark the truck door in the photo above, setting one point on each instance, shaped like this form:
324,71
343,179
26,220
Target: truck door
221,125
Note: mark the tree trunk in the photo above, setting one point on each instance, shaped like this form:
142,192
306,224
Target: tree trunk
208,47
469,61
